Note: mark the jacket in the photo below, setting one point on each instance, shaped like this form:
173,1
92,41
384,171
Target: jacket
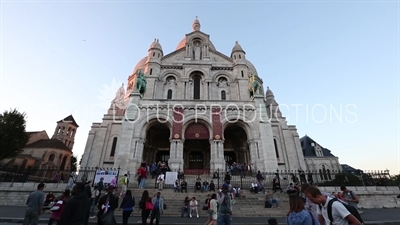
112,203
128,203
160,202
76,211
302,218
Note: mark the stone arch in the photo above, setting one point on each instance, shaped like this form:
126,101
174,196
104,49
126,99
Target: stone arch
248,128
197,37
152,119
203,119
168,73
196,71
224,74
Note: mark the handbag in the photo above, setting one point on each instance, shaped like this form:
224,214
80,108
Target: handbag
149,206
56,206
108,218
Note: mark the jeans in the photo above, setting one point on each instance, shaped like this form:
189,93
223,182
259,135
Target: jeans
31,216
205,187
92,206
155,214
145,215
223,219
125,217
272,201
142,183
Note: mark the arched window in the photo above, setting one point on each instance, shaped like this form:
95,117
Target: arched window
151,71
69,130
72,133
196,88
276,149
114,145
242,73
240,56
51,157
169,94
223,95
64,161
59,130
154,54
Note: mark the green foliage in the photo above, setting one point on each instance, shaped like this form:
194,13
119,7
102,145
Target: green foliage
13,136
396,180
340,179
74,163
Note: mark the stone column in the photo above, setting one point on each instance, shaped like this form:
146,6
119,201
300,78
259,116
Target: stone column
175,161
217,155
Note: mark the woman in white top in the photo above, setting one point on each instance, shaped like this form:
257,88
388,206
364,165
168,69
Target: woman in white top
160,181
193,207
212,219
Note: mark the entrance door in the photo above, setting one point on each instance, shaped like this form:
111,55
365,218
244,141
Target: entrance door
196,160
162,156
230,157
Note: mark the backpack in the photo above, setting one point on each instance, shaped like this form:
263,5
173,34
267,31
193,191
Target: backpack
223,208
353,211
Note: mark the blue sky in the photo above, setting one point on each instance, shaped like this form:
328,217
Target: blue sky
63,57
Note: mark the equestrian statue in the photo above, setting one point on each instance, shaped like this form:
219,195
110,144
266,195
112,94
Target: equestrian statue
140,82
254,85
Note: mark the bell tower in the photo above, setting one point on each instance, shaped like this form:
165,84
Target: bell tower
65,131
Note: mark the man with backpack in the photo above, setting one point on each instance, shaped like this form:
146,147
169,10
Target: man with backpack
349,196
225,206
333,211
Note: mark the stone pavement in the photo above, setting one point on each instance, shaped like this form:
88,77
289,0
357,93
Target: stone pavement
14,215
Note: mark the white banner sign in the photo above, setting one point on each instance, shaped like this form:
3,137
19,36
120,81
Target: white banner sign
171,177
108,175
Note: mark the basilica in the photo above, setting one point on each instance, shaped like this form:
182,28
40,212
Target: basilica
197,109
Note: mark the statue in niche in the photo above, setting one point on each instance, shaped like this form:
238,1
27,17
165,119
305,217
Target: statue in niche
196,51
222,82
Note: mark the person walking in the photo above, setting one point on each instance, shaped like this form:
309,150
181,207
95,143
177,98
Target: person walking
61,202
77,210
35,203
70,183
225,206
158,209
127,206
107,204
144,202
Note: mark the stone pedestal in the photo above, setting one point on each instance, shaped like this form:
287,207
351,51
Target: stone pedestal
129,151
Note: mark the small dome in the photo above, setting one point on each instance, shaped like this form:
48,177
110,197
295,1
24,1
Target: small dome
140,65
237,47
269,93
156,45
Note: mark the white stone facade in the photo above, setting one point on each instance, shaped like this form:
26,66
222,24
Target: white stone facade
185,91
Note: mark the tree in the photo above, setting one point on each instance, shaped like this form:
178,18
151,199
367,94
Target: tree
73,163
13,136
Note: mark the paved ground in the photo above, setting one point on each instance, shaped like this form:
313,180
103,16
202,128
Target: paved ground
14,215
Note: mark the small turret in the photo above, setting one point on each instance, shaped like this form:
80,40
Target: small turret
238,54
272,105
154,57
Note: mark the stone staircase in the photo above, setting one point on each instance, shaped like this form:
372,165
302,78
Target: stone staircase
251,205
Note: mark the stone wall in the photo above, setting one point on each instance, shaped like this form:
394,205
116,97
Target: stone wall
15,194
372,197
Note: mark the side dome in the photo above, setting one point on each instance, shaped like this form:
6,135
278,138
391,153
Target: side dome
140,65
252,69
